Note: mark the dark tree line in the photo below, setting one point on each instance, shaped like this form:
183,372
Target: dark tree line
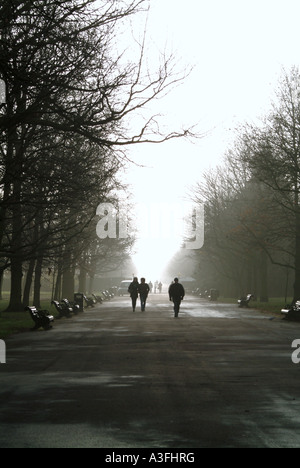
252,204
69,100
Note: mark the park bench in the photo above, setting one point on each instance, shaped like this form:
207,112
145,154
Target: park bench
244,301
111,292
213,295
74,308
41,318
90,302
291,312
204,295
107,295
62,309
97,298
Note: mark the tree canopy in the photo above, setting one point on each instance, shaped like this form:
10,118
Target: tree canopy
70,100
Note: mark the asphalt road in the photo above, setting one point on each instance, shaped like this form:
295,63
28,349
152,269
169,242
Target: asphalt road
218,376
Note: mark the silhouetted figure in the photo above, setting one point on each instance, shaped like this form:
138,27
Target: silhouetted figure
176,294
144,291
133,290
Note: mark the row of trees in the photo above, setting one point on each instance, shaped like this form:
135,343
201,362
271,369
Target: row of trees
252,238
70,95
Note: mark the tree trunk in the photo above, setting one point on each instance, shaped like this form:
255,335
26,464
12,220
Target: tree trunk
68,284
1,282
57,290
91,283
83,274
264,295
15,303
297,250
297,266
82,280
15,168
37,282
28,283
68,277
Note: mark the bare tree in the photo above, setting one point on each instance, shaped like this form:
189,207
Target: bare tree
273,155
241,233
63,79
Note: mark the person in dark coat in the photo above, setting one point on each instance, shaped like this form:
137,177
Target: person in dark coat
144,291
176,294
133,290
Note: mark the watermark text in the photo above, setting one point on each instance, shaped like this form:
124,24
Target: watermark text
296,353
2,352
2,92
156,221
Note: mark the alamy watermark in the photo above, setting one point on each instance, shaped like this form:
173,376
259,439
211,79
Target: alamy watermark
2,352
2,92
296,353
156,221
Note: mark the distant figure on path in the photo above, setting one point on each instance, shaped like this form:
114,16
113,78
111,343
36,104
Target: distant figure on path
133,290
144,291
176,294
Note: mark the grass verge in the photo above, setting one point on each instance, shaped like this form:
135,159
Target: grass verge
17,322
273,307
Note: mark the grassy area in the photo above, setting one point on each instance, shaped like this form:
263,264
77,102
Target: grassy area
16,322
274,305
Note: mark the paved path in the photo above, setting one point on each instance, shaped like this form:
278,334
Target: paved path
218,376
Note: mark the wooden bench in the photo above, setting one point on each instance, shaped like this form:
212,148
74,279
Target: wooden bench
62,309
244,301
213,295
106,295
90,302
41,318
97,298
74,308
291,312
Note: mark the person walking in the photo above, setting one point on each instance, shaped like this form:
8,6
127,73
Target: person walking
144,291
176,294
133,290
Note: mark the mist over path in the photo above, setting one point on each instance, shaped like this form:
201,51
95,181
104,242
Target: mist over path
218,376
